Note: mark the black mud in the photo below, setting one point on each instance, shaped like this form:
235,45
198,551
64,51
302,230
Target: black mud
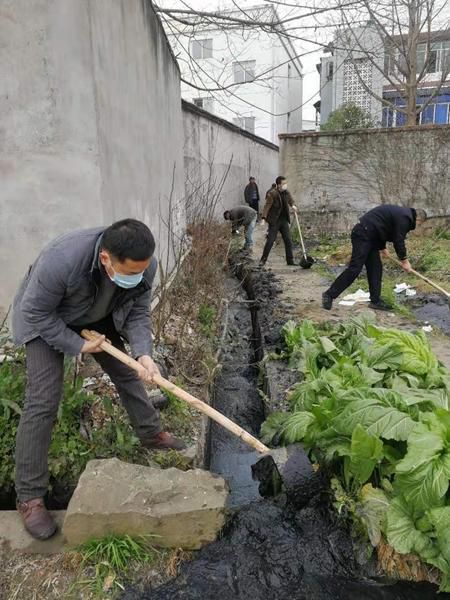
293,547
433,309
268,552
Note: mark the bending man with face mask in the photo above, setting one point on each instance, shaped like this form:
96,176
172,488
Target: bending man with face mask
276,212
98,279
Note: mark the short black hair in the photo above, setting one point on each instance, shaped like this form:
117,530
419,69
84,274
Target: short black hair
274,185
226,215
130,239
279,179
251,178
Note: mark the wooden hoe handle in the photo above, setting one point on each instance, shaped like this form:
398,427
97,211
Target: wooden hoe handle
417,274
182,394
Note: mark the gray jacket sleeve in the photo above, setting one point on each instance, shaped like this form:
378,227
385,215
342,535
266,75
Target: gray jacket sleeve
138,326
44,292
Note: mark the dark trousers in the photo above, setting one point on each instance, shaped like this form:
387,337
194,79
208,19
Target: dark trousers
254,203
45,371
281,226
365,251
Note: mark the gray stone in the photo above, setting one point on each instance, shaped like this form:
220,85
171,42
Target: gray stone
13,535
189,456
183,509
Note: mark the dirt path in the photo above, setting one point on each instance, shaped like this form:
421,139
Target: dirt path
302,292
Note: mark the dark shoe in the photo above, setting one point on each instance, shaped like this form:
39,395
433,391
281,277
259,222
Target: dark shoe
262,263
381,305
37,520
290,263
163,441
327,301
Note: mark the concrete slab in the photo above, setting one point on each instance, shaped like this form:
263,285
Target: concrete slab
14,537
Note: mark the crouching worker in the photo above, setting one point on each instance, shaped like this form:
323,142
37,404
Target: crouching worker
242,216
385,223
98,279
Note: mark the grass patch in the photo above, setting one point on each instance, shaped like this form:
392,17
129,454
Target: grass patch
111,559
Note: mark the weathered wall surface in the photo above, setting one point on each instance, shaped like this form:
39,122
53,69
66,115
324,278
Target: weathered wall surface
336,177
90,123
219,158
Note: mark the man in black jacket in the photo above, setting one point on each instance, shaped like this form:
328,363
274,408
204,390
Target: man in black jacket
385,223
251,194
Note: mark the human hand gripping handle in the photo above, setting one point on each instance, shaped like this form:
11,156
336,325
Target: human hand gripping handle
92,346
180,393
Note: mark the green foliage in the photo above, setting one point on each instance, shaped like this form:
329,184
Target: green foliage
207,315
348,116
112,558
372,406
69,451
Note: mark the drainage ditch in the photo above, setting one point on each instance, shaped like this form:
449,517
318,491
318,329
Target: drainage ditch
272,548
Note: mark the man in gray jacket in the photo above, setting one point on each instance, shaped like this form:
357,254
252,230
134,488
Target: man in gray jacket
98,279
242,216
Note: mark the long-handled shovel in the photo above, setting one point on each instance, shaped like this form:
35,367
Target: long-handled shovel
432,283
306,262
277,469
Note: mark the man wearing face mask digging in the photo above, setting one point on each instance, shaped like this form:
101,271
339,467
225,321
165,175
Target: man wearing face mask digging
276,212
98,279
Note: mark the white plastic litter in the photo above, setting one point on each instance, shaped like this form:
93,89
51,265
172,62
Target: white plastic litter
401,287
359,296
347,302
427,328
405,287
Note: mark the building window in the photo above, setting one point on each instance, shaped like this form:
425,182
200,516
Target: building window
244,71
330,70
442,116
357,77
201,48
205,103
247,123
427,115
437,60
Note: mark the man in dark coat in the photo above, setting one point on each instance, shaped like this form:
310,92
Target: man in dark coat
385,223
276,212
99,279
251,194
242,216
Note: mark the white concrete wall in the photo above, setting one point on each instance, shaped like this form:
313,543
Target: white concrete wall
90,123
213,147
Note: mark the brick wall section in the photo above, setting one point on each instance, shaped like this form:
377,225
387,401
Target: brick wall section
337,176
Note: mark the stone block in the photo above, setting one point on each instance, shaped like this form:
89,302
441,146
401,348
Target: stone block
182,509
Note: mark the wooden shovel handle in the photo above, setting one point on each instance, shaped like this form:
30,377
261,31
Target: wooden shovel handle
417,274
300,234
181,394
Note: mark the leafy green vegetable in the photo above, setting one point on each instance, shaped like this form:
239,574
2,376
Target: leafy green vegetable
371,510
372,405
365,452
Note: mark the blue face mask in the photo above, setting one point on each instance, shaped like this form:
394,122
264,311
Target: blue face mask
127,281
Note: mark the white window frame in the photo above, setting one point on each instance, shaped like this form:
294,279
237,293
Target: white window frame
202,49
244,71
246,123
205,103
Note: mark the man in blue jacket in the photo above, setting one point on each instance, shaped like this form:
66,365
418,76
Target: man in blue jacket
385,223
98,279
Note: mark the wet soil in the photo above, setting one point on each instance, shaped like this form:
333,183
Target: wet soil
292,546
